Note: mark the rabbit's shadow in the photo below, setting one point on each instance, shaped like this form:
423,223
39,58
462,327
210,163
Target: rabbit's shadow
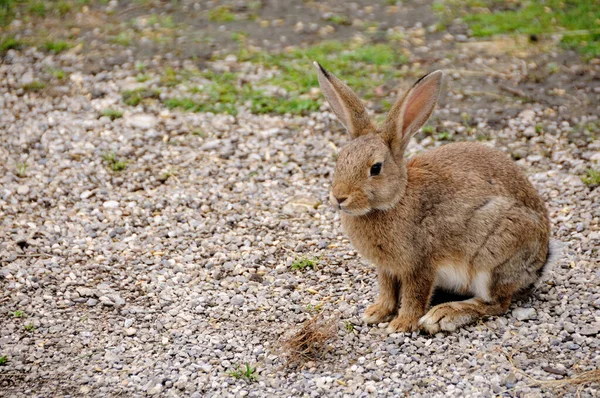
442,296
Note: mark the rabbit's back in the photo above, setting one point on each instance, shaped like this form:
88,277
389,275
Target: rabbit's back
472,171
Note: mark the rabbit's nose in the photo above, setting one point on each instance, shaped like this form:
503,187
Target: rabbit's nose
341,200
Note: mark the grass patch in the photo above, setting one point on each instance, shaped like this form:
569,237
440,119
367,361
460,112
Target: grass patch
304,263
17,314
314,308
122,39
136,97
37,8
57,46
142,77
34,86
339,20
30,327
29,9
591,178
164,21
9,43
247,373
289,90
349,327
113,162
57,73
112,113
221,14
170,78
21,169
3,360
533,17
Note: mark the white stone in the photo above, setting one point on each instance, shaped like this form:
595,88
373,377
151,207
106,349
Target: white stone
142,121
110,204
527,115
523,314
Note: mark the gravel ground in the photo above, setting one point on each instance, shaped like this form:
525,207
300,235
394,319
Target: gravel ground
161,278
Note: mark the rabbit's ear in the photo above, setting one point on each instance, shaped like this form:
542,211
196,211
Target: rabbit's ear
345,103
411,112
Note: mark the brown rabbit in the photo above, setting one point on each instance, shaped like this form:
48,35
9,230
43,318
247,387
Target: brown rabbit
461,217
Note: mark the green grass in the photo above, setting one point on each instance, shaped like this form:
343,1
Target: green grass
34,86
9,43
137,96
349,327
164,21
3,360
17,314
57,73
29,9
57,46
170,78
592,178
21,169
247,373
30,327
534,17
142,77
37,8
339,20
304,263
221,14
112,113
362,66
122,39
113,162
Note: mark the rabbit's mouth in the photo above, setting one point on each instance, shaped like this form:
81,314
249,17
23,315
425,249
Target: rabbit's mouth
355,212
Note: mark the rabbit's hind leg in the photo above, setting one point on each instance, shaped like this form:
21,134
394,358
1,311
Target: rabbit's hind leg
455,314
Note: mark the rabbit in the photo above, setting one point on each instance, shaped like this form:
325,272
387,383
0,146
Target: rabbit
461,217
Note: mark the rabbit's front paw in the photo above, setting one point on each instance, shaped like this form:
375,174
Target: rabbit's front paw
379,312
403,323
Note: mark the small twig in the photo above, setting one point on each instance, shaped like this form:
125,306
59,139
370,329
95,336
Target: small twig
514,91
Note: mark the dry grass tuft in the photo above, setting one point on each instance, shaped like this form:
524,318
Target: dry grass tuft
580,380
311,342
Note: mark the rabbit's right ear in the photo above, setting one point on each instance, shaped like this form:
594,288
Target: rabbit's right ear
345,103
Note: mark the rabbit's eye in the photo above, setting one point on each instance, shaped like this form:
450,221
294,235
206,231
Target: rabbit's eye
376,169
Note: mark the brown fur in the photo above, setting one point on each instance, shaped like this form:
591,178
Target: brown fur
462,216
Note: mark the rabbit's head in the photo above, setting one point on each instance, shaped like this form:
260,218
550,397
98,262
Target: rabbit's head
370,173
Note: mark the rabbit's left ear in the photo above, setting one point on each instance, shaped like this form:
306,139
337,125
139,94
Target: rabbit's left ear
345,103
411,112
